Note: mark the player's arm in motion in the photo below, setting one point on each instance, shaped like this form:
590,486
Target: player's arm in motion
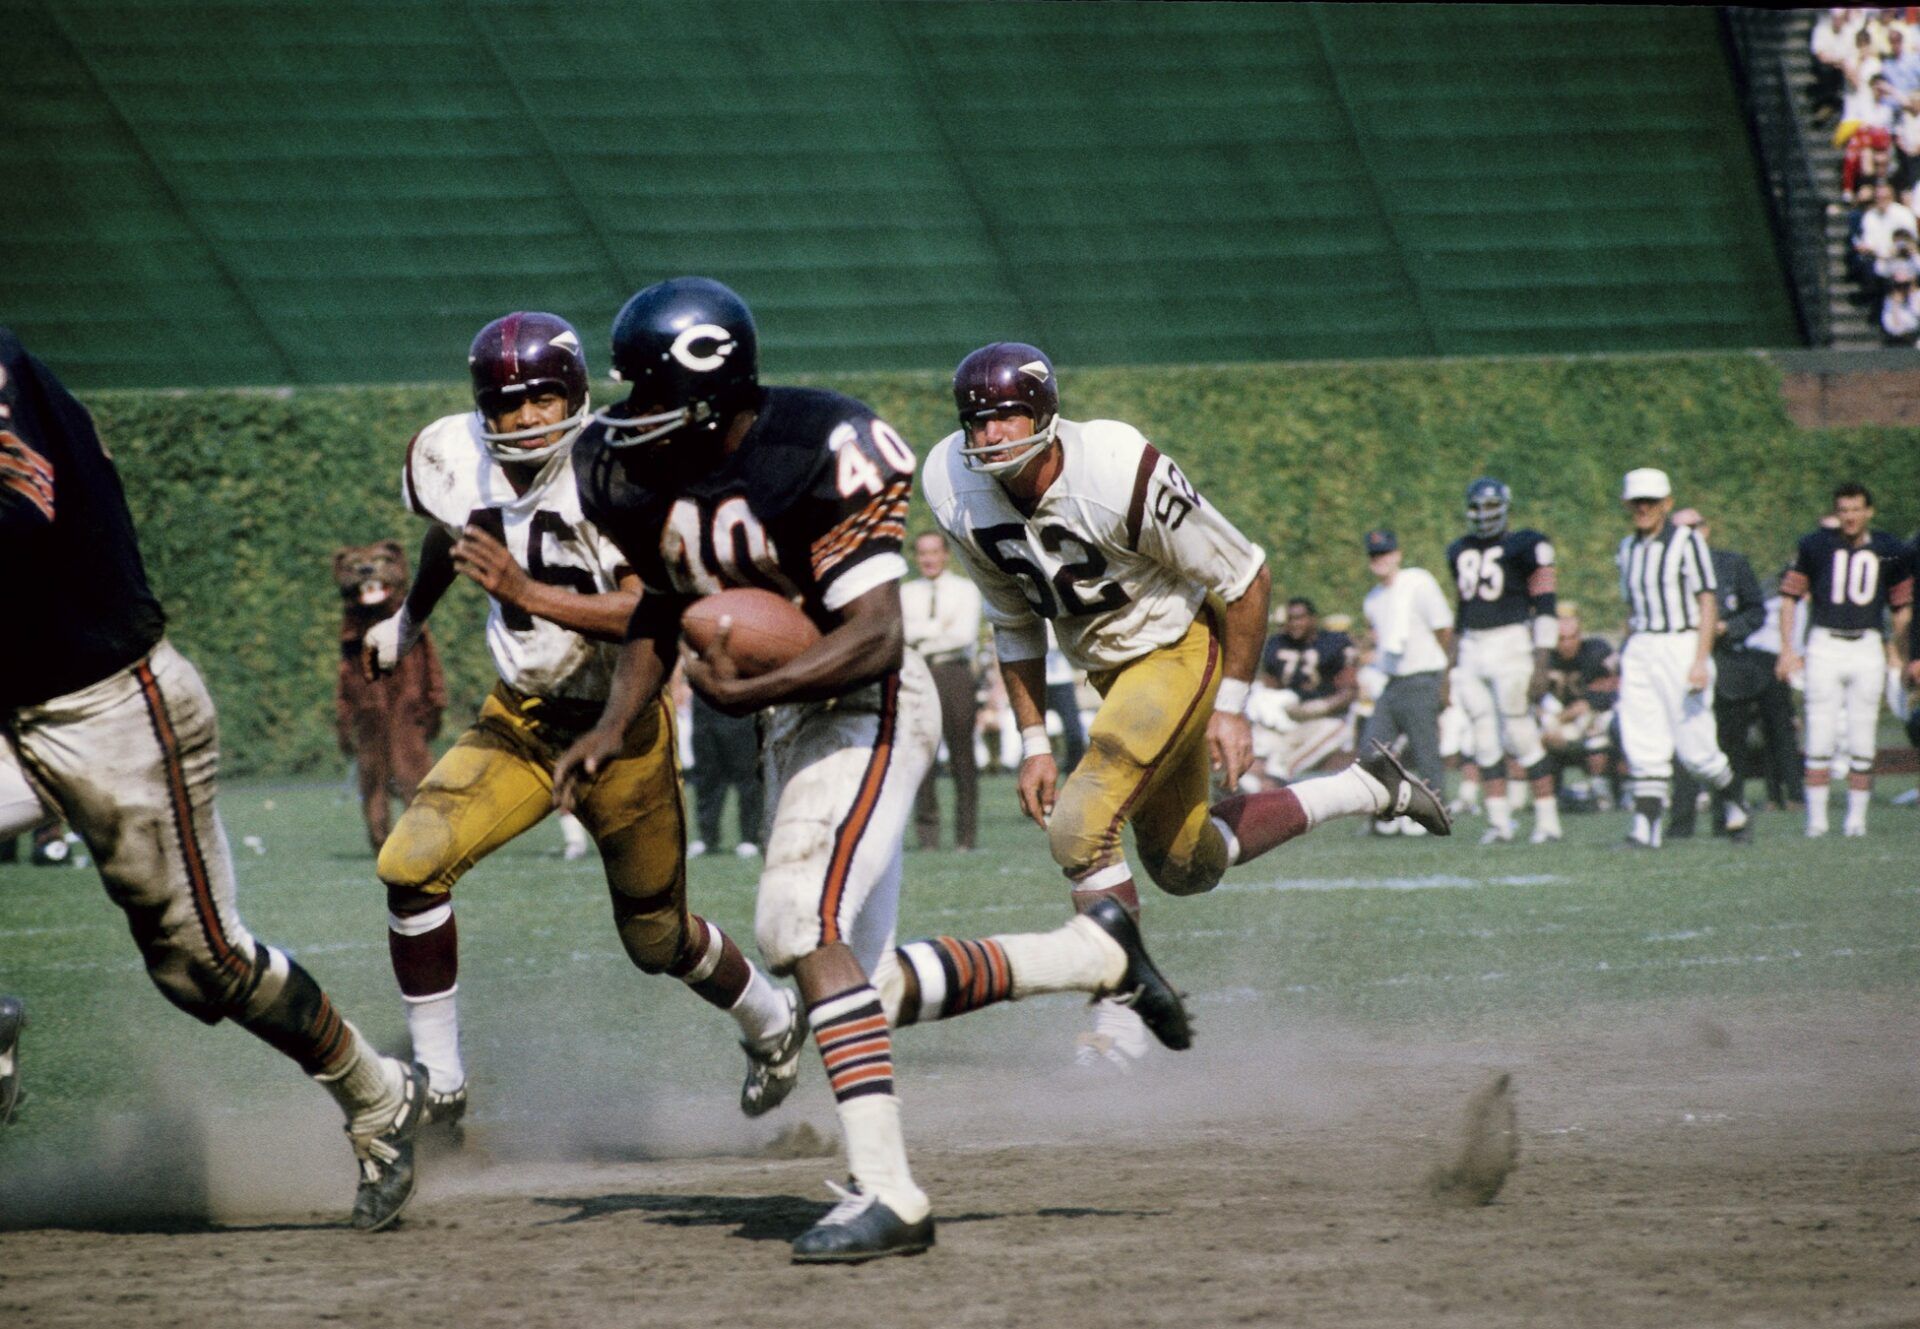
1229,733
391,638
486,562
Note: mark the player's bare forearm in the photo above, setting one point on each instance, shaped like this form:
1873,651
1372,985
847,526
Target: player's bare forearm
1709,625
1245,628
638,675
867,645
432,575
1897,640
1026,682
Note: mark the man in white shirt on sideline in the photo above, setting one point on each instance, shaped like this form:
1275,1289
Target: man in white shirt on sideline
1413,627
941,613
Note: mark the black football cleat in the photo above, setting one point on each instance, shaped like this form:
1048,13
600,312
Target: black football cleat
1407,794
445,1116
858,1229
13,1019
1143,987
386,1159
773,1070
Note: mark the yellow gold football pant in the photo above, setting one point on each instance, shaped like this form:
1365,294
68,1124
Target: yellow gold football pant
497,781
1147,765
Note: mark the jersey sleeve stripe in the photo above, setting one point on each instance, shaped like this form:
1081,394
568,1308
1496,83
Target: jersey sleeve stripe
1137,506
1542,582
883,520
408,483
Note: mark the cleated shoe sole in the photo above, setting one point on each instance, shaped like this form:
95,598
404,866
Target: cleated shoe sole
1143,986
386,1160
1407,794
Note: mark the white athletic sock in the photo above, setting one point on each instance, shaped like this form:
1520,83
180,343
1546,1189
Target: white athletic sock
1348,793
762,1011
1079,957
1817,809
369,1090
1857,800
1499,813
434,1023
877,1154
1546,816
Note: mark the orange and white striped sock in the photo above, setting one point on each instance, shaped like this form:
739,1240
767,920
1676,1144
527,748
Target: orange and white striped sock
851,1030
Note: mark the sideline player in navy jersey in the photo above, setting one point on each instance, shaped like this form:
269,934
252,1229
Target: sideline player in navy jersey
1852,579
116,730
1318,667
706,480
1507,627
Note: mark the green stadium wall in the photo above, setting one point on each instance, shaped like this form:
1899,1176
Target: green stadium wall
243,193
242,497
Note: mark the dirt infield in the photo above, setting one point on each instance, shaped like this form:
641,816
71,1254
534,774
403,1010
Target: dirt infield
1685,1166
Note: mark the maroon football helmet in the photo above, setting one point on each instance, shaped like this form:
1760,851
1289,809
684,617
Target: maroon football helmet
515,356
1001,379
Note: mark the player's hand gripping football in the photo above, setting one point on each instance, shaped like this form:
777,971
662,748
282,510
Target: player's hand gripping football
1039,780
579,764
481,558
1230,740
715,674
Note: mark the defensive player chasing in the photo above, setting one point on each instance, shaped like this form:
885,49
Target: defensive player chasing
115,728
1089,526
1852,578
497,484
1508,626
708,481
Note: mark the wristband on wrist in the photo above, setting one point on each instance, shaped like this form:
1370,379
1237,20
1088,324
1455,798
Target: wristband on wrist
1034,742
1232,696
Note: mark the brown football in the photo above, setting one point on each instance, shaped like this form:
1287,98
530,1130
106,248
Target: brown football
767,629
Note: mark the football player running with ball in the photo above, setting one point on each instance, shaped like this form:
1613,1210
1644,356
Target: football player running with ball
1852,578
1508,625
1088,526
708,481
497,484
115,728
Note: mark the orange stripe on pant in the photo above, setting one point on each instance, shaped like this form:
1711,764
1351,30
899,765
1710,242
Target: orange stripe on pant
846,841
182,807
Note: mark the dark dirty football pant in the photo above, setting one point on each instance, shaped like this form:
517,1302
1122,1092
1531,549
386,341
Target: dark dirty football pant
1410,707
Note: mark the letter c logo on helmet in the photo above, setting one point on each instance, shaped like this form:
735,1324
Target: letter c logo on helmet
682,348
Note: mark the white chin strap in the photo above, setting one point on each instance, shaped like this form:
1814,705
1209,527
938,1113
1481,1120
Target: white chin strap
628,431
1028,448
501,446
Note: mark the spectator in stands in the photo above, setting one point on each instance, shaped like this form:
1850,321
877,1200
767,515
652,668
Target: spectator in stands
1900,311
1872,115
1884,218
1832,45
1900,65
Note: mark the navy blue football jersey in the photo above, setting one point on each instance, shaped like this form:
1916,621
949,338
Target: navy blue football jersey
1849,589
78,607
1312,668
812,505
1588,676
1502,579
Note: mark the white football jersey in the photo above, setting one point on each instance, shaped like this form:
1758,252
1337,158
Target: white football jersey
1118,555
450,476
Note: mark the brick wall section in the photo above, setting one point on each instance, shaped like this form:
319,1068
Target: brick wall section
1837,399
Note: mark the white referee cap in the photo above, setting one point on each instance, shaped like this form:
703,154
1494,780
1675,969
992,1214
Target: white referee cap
1647,482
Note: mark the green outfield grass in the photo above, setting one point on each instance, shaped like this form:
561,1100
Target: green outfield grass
1386,936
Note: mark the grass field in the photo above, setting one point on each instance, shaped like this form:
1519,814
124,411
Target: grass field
1337,929
1719,1109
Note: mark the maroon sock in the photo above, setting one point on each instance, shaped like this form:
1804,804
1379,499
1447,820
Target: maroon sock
1262,821
728,978
1125,893
426,963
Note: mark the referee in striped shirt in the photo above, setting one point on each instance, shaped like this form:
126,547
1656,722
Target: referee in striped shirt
1666,665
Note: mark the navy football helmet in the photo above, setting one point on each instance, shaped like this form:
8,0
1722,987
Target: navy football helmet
691,355
1000,379
512,358
1487,504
